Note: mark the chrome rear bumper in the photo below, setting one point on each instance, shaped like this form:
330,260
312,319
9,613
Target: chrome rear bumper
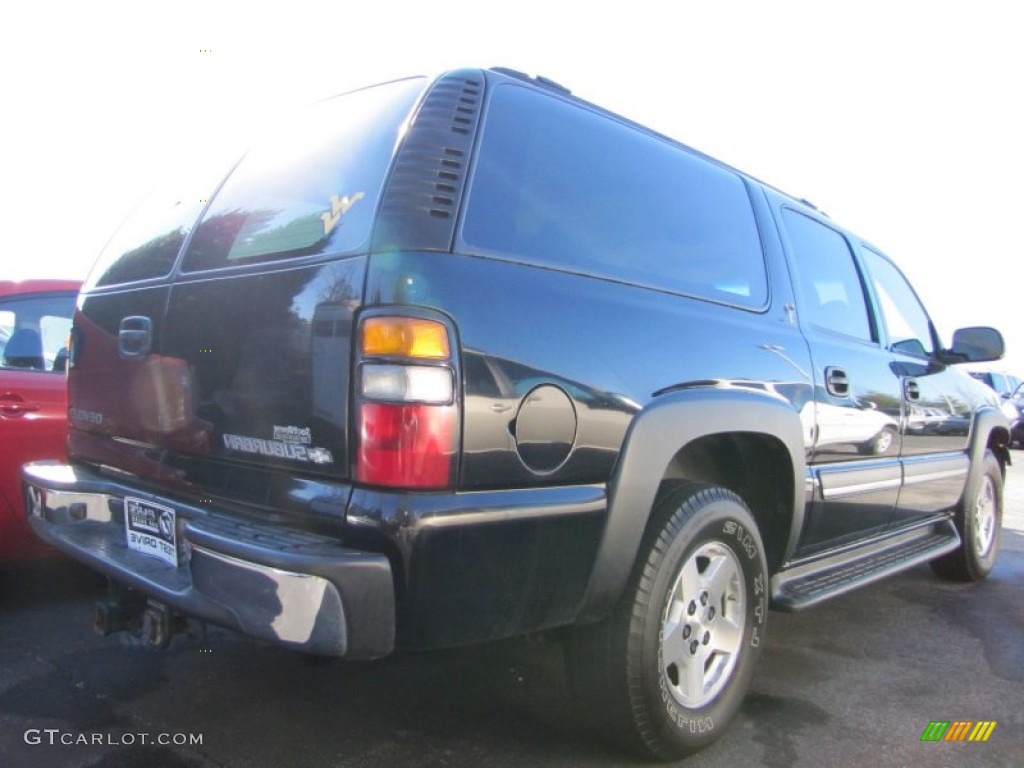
291,587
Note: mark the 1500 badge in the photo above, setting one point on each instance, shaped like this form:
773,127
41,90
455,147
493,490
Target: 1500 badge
278,449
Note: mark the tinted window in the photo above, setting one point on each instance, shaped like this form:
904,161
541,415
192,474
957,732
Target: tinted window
828,283
906,322
147,243
312,189
562,186
34,332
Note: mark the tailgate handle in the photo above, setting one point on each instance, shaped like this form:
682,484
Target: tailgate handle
135,337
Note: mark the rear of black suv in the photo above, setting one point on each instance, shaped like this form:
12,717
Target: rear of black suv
211,389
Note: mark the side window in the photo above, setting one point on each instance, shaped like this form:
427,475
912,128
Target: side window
559,185
828,284
909,330
34,332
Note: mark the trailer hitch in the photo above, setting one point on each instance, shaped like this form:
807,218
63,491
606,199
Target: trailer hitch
152,623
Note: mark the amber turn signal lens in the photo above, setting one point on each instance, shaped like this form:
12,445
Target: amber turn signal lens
405,337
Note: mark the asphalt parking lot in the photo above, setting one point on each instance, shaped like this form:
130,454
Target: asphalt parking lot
853,682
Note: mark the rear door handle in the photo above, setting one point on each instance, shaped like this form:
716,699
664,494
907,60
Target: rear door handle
135,336
836,382
14,406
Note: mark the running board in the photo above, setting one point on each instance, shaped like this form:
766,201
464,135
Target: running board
808,584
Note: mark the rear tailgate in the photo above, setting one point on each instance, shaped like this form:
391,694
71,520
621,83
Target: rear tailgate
268,356
215,333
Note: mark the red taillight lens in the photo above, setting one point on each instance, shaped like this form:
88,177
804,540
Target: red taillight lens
406,446
407,412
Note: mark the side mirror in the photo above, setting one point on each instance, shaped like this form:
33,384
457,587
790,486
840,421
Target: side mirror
975,345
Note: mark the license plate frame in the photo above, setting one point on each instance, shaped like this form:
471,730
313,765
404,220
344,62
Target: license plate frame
151,529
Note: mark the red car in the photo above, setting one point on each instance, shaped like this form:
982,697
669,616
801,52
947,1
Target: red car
35,318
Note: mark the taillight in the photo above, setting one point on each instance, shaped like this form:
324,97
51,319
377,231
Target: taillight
406,410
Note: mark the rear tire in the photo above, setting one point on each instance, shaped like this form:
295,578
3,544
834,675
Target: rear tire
668,670
979,521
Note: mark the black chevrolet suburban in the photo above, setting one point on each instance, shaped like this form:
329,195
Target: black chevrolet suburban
462,358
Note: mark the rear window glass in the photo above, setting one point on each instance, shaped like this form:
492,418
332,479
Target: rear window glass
311,190
562,186
146,245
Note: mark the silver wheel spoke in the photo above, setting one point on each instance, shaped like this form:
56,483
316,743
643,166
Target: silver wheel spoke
718,577
984,517
727,636
675,650
717,668
693,676
690,581
676,613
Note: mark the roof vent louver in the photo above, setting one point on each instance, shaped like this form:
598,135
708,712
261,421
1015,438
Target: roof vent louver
426,184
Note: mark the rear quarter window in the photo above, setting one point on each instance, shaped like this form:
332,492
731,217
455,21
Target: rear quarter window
558,185
311,190
146,245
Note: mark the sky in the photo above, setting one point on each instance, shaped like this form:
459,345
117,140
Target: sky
903,120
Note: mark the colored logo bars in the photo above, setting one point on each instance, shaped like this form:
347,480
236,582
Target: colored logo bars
958,730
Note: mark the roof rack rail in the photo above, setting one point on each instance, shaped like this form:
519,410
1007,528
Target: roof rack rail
809,204
540,80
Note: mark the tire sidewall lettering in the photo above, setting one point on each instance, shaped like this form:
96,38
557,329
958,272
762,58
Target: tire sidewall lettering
746,541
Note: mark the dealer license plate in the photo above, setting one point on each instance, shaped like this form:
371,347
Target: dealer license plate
151,530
